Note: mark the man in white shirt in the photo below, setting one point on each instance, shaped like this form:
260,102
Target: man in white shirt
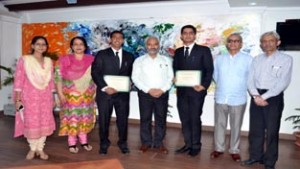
152,74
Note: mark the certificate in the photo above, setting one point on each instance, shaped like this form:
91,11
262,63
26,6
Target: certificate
119,83
188,78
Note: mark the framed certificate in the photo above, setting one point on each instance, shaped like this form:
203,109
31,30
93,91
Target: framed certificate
120,83
188,78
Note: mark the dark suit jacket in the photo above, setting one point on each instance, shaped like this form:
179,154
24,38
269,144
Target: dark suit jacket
106,63
201,59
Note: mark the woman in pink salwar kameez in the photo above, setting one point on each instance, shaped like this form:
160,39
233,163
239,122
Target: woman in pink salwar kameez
33,87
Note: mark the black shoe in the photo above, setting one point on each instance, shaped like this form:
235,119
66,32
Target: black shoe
103,151
250,162
194,152
125,150
183,149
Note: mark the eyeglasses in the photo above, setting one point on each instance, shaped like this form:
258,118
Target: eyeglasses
41,44
233,41
78,44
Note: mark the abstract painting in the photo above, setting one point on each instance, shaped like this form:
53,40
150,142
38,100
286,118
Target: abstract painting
211,31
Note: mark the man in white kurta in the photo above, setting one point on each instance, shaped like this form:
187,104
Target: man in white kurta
152,74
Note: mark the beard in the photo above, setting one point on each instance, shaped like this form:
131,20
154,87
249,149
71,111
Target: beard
153,51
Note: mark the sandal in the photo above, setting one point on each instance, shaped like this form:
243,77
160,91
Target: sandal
42,155
87,147
73,149
30,155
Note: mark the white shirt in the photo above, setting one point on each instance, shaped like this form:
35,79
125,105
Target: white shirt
149,73
120,54
190,48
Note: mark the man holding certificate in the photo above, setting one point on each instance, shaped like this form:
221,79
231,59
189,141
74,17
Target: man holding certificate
193,65
111,70
153,74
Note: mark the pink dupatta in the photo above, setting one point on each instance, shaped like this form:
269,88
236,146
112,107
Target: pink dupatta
72,69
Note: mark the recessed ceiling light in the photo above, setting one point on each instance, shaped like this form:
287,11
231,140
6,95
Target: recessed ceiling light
72,1
252,3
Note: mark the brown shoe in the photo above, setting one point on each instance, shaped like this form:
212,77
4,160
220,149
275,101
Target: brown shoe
215,154
236,157
144,148
163,150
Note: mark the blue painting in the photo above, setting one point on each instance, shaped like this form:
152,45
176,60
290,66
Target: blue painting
211,32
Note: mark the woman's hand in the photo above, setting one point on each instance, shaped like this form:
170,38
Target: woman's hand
62,99
18,104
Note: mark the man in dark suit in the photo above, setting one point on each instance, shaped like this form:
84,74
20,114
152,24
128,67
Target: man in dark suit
190,99
112,61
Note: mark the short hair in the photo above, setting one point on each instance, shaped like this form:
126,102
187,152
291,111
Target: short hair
116,32
83,41
151,37
236,34
190,27
271,33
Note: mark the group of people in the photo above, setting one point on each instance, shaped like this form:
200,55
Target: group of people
78,76
265,77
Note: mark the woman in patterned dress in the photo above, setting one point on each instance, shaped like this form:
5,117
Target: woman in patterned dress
76,91
33,87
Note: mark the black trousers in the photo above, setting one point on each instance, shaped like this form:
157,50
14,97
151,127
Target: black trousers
105,107
265,123
190,111
149,105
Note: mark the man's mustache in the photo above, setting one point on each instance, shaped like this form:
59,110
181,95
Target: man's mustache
153,49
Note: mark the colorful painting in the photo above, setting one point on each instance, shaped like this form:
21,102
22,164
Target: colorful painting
57,38
211,31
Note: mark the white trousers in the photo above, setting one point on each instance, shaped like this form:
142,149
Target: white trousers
37,144
236,115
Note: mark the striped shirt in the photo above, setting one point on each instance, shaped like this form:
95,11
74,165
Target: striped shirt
272,72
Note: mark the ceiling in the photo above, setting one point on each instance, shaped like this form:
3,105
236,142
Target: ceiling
26,5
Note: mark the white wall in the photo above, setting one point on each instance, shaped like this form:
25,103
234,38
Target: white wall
10,49
174,9
292,94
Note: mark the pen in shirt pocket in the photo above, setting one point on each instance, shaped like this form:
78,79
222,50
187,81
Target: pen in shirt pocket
163,65
276,67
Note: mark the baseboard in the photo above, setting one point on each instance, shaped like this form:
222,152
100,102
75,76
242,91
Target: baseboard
9,109
204,128
211,129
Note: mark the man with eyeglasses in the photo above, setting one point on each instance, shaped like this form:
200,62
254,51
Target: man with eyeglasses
230,75
269,76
